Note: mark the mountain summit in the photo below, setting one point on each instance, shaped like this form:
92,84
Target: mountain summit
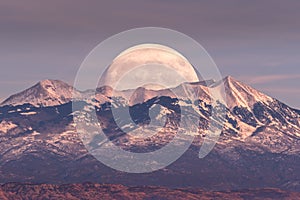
44,93
240,94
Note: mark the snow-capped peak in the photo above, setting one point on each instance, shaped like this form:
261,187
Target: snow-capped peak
44,93
240,94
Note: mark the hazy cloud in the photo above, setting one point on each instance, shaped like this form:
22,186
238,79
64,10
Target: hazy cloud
269,78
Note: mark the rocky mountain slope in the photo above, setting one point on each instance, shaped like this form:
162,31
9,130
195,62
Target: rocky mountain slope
259,145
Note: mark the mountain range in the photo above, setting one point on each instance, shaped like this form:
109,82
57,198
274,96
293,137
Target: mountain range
259,146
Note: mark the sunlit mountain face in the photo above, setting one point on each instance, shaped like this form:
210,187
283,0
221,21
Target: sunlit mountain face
258,147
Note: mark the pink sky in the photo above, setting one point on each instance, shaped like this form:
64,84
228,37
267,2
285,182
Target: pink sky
257,41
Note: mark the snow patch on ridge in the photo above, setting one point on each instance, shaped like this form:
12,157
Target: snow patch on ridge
44,93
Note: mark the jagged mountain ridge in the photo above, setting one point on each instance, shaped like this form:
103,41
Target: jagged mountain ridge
55,92
258,135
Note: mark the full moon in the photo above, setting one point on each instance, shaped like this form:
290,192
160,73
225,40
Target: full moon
151,66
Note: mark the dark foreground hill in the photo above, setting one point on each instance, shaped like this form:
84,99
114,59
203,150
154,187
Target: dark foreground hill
89,191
